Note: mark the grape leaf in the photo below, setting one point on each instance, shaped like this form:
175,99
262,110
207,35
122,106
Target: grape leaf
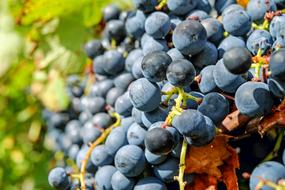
213,163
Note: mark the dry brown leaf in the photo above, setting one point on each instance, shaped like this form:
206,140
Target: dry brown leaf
211,164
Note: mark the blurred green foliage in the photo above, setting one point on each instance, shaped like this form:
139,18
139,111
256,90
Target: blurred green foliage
40,44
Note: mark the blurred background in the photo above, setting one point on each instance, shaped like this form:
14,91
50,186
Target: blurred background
41,43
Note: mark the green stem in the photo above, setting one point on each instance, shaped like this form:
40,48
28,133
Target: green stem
161,5
274,152
182,166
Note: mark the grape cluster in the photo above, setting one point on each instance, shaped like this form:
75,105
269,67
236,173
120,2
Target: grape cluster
167,74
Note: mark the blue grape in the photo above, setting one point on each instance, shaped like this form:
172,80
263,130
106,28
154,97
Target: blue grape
59,179
132,57
150,183
167,170
100,156
144,95
136,135
237,60
225,80
276,24
254,99
214,29
148,118
89,133
189,37
145,5
221,5
191,123
126,122
103,177
276,87
130,160
121,182
198,15
114,62
228,43
102,120
157,25
204,5
259,39
257,8
276,65
73,151
152,45
231,8
115,30
123,105
215,106
137,68
154,158
154,66
207,83
237,22
208,56
116,139
101,88
113,95
123,80
177,150
137,115
95,105
111,12
72,130
271,171
180,72
135,24
209,134
93,48
174,21
181,7
175,54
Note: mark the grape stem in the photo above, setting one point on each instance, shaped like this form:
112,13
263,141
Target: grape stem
258,62
161,5
181,100
182,166
98,141
276,148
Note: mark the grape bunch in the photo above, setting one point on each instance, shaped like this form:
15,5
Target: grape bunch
167,76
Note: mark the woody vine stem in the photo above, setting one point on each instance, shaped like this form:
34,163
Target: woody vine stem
104,135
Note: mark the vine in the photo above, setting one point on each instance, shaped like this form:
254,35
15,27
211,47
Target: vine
104,135
180,101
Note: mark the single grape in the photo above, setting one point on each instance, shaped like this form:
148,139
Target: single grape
144,95
130,160
154,66
159,141
254,99
167,170
189,37
136,135
157,25
215,106
180,72
59,179
271,171
121,182
100,156
276,65
237,60
150,183
103,177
